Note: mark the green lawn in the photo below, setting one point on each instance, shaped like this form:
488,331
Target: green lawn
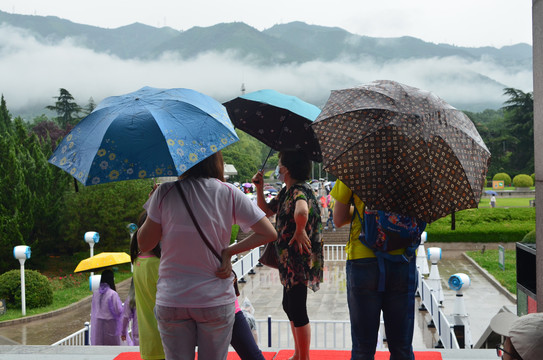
484,225
506,202
489,261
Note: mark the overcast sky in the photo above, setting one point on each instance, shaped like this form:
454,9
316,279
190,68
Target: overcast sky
460,22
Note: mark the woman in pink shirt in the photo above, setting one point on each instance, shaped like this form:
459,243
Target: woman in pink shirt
195,297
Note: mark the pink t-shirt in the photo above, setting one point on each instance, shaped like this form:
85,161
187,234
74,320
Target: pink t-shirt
187,266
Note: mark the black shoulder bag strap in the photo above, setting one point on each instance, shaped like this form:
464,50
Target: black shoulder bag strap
202,233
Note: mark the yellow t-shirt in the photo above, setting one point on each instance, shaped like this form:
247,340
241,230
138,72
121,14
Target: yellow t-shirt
354,248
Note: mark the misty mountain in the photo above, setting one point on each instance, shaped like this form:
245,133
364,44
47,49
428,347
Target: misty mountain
295,58
294,42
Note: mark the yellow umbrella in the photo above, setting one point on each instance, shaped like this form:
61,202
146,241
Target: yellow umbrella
102,260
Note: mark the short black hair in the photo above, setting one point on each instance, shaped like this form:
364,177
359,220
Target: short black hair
297,163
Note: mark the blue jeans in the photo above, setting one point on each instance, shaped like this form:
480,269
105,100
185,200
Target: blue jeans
397,303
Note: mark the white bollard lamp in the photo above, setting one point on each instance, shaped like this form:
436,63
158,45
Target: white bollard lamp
434,279
459,282
21,253
91,238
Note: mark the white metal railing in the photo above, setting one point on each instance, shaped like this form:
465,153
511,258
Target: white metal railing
78,338
334,252
245,264
443,327
325,334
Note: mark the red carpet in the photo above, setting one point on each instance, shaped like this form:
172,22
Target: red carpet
231,356
346,355
315,355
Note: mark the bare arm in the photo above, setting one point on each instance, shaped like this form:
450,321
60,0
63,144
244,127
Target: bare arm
149,234
301,215
343,213
263,232
258,180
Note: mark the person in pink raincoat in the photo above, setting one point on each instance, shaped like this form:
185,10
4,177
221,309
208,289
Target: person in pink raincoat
129,313
106,312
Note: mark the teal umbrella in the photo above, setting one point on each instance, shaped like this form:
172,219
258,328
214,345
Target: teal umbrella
283,122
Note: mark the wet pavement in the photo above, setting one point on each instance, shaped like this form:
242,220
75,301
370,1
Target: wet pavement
482,300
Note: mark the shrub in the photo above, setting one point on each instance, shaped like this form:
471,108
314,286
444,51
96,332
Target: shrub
67,281
522,181
503,176
529,238
38,290
533,178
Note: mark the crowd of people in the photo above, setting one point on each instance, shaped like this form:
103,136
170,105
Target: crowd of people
182,296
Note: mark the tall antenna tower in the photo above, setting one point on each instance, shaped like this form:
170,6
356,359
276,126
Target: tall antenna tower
242,88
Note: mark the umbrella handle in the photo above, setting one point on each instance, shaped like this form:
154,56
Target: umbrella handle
266,160
271,149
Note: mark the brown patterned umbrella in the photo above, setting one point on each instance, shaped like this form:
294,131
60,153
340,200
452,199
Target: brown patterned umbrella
402,149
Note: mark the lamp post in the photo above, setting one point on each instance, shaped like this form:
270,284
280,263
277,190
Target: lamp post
132,228
21,253
91,238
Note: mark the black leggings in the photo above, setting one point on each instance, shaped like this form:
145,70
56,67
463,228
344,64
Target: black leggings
294,304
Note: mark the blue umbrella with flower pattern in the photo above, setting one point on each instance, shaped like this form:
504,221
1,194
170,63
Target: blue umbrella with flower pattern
144,134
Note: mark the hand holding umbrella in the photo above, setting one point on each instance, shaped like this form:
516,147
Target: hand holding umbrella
258,180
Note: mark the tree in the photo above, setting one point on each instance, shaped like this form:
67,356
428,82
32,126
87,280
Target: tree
66,109
519,123
15,200
5,118
105,208
245,155
31,194
48,131
491,126
91,105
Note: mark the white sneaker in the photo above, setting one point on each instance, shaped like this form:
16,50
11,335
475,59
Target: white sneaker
334,229
326,228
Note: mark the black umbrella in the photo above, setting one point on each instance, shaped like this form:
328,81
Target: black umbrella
282,122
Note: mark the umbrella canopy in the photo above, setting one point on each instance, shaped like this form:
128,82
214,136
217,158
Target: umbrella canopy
144,134
491,192
102,260
280,121
402,149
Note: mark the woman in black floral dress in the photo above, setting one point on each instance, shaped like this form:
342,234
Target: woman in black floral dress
299,242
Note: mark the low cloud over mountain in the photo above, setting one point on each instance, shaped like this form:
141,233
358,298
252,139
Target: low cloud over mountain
43,54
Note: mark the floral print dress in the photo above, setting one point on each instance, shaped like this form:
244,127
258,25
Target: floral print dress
296,268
